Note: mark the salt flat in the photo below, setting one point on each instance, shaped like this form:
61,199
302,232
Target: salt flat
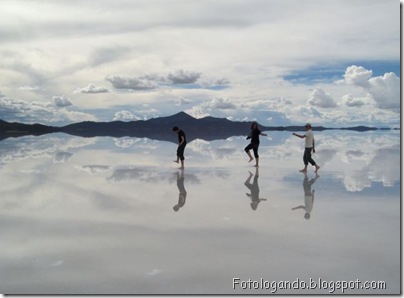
116,216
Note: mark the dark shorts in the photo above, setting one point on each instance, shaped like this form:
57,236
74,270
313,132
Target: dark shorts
307,157
180,151
254,147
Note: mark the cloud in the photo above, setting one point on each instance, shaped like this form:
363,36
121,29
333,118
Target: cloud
181,101
222,104
92,89
358,76
321,99
39,112
176,80
133,83
213,84
125,116
105,55
29,88
61,101
194,55
383,90
350,101
183,77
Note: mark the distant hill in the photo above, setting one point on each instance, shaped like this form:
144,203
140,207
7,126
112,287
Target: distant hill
208,128
16,129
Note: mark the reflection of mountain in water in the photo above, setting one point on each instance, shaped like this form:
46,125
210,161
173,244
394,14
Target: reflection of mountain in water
358,159
208,128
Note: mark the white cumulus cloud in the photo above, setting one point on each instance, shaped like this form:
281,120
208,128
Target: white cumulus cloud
133,83
61,101
351,101
358,76
125,116
321,99
383,90
92,89
183,77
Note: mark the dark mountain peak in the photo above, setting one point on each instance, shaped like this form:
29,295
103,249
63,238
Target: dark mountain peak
176,119
182,116
160,128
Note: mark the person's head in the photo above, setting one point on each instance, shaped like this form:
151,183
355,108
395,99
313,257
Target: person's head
254,205
254,125
307,215
175,128
307,126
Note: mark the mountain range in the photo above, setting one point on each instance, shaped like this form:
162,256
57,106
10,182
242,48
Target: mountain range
208,128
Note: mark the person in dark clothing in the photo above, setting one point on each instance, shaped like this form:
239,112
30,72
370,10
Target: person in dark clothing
255,142
182,142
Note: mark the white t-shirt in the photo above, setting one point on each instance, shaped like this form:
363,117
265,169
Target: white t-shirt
308,202
309,139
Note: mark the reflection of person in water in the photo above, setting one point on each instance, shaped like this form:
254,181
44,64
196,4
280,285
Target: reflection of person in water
308,196
254,189
183,193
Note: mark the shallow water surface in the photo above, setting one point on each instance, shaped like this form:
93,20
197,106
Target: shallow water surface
117,216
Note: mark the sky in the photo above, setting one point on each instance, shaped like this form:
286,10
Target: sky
332,63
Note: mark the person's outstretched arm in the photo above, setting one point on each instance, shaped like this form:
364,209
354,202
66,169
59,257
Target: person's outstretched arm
300,136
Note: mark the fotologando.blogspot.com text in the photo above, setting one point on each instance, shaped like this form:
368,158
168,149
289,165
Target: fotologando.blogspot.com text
339,286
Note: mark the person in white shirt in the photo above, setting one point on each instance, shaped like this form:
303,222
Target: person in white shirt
309,146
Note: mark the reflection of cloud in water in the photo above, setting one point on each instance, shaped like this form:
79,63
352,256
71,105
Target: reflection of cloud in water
129,174
352,155
62,157
125,142
154,175
93,169
154,272
380,165
31,172
324,156
205,148
356,180
30,147
385,166
348,155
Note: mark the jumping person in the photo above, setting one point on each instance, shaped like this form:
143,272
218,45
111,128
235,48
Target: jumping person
255,142
182,142
309,146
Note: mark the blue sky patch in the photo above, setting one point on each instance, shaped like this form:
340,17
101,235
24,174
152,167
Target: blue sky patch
333,72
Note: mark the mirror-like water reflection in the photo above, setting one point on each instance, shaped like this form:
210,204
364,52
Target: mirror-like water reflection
117,216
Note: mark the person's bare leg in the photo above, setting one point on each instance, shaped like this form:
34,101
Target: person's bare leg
250,156
317,168
182,164
256,162
304,170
